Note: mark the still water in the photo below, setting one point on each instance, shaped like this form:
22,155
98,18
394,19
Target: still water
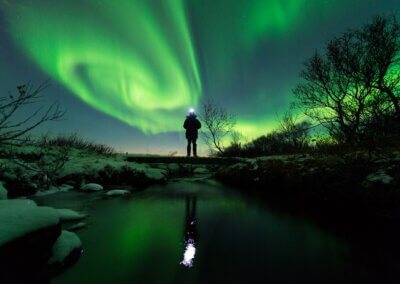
202,232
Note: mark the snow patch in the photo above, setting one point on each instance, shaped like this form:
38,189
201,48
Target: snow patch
66,244
3,192
55,189
200,171
70,215
380,177
19,217
92,187
117,192
155,174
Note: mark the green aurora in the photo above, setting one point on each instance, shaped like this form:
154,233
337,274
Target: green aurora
143,75
145,62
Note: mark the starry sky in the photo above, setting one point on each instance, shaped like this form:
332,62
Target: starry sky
127,71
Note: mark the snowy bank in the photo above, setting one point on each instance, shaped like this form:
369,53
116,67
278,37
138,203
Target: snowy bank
67,245
27,235
22,176
22,217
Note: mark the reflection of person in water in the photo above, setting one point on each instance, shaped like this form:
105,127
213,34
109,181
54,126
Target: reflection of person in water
190,231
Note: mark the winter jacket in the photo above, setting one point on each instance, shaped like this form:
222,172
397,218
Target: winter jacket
192,125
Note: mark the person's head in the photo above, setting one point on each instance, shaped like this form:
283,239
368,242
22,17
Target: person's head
192,112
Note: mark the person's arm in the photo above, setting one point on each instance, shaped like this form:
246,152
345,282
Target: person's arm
185,124
198,124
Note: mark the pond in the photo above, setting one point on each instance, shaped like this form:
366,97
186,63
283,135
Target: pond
203,232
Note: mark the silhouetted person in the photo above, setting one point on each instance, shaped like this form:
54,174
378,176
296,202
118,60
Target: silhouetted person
192,125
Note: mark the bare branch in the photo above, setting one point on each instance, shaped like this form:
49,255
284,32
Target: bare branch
11,129
219,124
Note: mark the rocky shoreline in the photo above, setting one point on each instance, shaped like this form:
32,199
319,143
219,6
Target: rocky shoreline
354,180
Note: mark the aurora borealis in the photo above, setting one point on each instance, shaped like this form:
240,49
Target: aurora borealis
144,63
145,74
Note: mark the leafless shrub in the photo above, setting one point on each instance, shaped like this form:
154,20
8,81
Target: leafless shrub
47,165
219,123
74,141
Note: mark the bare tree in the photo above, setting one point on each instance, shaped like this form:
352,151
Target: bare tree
27,95
331,97
294,131
219,124
381,51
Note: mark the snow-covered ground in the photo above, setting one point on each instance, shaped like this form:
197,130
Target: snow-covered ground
24,224
21,217
28,167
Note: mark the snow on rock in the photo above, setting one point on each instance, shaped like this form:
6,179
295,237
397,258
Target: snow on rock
20,217
200,171
55,189
155,174
64,247
65,187
3,191
70,215
380,177
92,187
117,192
77,226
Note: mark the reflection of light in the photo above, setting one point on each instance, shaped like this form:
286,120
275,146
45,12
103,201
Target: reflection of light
190,251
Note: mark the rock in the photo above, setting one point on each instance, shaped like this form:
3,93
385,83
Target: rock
76,227
3,192
173,167
20,217
235,174
54,189
380,177
200,171
70,215
156,175
65,187
117,192
27,235
92,187
65,252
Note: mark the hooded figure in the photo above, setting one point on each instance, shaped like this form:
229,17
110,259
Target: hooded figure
192,125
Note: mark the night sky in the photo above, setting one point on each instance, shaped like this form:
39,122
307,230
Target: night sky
127,71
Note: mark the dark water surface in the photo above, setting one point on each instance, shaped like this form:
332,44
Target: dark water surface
202,232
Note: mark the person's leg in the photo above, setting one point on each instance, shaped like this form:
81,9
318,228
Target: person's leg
188,146
194,148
